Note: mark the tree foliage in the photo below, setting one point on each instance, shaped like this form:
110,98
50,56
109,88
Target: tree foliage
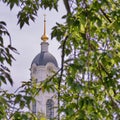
88,82
90,40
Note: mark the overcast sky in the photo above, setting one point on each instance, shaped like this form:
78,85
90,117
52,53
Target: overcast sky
27,41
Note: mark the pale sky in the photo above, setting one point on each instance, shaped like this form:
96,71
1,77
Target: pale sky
27,41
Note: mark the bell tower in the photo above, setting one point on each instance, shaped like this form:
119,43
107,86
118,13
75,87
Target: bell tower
42,67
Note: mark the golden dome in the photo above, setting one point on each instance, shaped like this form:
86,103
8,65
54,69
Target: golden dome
44,36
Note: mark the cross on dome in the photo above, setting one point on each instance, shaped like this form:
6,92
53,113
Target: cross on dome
44,36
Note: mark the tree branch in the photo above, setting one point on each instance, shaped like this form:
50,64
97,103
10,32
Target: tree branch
105,15
61,74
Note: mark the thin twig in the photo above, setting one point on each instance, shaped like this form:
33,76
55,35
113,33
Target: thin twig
105,15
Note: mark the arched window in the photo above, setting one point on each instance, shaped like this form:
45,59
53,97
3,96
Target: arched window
50,109
34,107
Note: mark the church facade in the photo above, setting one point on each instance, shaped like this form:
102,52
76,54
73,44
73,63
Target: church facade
42,67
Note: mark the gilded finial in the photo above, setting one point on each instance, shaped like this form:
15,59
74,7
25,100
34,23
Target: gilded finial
44,36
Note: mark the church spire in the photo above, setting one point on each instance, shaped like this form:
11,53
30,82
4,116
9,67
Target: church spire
44,36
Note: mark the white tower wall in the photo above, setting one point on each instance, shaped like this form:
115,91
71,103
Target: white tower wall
39,74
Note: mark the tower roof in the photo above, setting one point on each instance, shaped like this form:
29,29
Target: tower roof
44,56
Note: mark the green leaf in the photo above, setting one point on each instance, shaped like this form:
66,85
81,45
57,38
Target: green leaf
22,104
18,98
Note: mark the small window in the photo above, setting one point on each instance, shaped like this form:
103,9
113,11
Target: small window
50,109
34,107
